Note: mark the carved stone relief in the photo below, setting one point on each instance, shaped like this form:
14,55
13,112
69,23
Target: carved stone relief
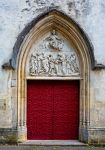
50,59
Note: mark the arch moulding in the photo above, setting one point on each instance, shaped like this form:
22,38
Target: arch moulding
57,21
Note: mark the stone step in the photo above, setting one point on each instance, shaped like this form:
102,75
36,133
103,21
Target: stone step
53,142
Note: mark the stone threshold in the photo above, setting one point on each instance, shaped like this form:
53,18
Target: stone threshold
53,142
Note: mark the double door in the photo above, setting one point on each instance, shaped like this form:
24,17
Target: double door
52,110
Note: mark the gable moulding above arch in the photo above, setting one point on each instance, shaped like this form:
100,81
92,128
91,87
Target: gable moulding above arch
12,62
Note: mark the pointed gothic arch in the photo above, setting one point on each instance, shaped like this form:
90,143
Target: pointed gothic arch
67,27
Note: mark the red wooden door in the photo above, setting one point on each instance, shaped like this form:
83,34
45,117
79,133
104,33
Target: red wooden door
52,110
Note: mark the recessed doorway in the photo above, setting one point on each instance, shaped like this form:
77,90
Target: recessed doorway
52,110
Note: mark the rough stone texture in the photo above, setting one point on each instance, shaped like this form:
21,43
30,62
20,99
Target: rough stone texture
14,15
49,148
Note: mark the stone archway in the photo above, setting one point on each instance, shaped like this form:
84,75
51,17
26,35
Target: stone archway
53,21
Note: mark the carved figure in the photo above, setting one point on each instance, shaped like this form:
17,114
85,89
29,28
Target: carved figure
54,42
45,64
68,66
39,63
73,62
52,69
33,65
59,64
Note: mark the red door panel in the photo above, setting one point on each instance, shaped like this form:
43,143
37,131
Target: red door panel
39,111
66,110
52,110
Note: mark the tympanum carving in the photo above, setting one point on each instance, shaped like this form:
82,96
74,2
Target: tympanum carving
49,59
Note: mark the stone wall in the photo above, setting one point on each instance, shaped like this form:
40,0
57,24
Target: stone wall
14,15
